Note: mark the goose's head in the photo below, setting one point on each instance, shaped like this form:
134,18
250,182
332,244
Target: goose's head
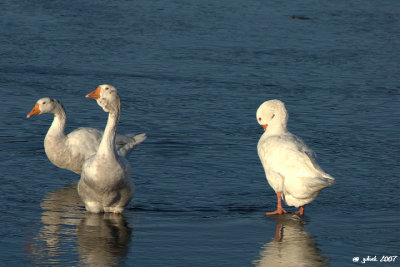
44,105
272,115
107,97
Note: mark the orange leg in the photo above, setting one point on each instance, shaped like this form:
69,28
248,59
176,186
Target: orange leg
300,212
279,209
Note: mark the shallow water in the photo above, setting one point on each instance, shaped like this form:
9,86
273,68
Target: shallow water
191,76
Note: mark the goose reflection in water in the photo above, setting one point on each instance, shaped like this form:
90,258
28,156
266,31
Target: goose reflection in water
103,239
100,239
291,245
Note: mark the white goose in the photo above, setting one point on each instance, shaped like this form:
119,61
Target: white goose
70,151
290,166
105,184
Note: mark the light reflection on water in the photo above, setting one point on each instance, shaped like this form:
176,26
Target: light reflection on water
99,239
104,239
291,245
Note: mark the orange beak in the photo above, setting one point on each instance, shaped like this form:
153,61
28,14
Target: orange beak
95,94
265,126
34,111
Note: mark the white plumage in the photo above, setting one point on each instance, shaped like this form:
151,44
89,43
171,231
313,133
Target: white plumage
70,151
290,166
105,184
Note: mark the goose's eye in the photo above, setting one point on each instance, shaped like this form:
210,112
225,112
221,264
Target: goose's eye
44,102
272,116
259,119
107,88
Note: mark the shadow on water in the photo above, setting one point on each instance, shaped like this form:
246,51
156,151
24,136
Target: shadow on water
291,245
99,239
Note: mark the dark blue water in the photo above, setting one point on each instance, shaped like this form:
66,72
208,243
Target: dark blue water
191,75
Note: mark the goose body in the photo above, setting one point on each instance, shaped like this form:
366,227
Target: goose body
69,151
105,184
290,166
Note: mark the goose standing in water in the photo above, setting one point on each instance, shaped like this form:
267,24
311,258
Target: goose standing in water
70,151
290,166
105,184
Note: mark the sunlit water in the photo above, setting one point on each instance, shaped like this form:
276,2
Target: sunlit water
192,75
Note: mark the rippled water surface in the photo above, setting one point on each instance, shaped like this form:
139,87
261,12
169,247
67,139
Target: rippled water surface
191,75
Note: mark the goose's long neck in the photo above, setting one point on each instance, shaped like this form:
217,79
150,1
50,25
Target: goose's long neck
57,128
107,144
277,128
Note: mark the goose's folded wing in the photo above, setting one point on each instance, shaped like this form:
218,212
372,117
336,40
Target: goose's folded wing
292,158
84,141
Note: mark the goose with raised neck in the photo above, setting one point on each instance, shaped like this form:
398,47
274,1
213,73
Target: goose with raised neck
70,151
105,184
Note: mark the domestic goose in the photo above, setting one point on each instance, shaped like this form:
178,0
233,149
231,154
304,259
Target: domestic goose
71,150
290,166
105,184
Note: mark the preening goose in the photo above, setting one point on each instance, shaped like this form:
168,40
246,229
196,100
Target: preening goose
105,184
290,166
70,151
